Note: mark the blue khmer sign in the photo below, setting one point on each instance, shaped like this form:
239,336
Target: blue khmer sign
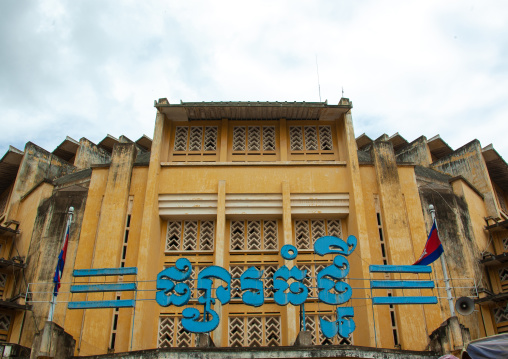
332,289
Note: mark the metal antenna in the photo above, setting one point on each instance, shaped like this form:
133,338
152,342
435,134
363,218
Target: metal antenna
319,86
342,91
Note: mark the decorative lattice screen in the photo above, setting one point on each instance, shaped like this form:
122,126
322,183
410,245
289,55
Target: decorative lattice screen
310,138
312,325
254,138
5,323
172,334
253,235
503,277
501,200
501,317
195,138
190,235
250,331
308,231
237,271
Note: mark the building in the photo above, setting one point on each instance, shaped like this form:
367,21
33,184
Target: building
229,184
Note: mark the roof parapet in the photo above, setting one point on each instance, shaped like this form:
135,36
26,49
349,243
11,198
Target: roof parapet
438,148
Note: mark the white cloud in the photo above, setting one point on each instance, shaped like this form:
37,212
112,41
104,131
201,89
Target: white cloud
95,67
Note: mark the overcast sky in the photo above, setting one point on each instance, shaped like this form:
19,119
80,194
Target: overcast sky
90,68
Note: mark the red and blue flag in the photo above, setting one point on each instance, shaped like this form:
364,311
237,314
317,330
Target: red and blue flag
61,263
433,248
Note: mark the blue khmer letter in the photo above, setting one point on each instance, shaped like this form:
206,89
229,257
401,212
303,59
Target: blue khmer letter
165,284
191,320
330,278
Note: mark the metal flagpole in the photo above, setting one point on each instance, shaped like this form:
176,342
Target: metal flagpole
53,296
443,265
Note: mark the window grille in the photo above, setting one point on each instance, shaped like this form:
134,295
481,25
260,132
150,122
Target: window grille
503,277
308,231
254,235
237,271
501,317
4,199
311,139
195,143
310,280
312,324
3,282
501,200
172,334
5,323
254,141
258,331
190,236
196,138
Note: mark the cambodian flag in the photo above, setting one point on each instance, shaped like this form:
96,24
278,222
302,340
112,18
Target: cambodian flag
433,248
61,263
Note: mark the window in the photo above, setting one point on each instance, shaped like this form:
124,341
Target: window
501,200
501,317
190,236
254,143
5,323
503,278
312,324
195,143
254,235
172,334
307,231
254,331
267,278
308,142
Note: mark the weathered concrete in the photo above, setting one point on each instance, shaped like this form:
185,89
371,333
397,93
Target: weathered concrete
37,165
44,248
467,161
451,336
416,152
89,154
203,340
52,342
397,236
304,339
109,240
10,350
336,351
462,248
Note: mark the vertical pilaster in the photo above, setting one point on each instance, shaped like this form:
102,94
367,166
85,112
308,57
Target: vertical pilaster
110,239
219,260
398,236
224,141
291,311
149,243
283,133
357,226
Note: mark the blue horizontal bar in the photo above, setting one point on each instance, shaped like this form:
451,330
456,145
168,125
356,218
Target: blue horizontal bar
97,304
404,300
399,284
113,287
399,269
104,272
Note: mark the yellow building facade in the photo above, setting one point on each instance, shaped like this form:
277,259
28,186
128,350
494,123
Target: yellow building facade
229,184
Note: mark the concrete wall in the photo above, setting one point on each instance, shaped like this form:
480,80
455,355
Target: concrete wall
42,254
417,152
89,154
468,162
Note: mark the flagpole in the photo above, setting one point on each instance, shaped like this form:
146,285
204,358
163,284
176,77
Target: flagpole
443,265
53,296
